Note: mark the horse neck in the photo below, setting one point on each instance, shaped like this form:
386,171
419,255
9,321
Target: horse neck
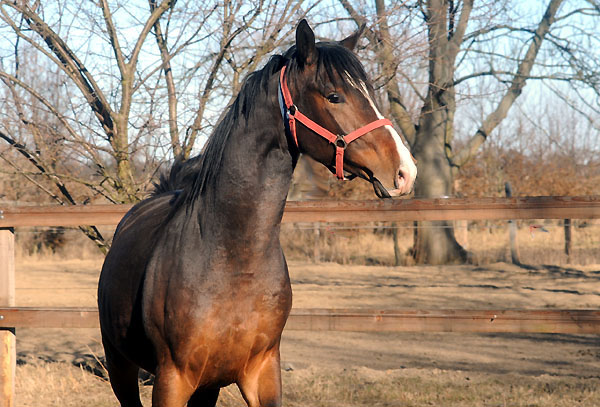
246,203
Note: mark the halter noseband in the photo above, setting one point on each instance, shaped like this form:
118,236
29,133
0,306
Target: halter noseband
290,111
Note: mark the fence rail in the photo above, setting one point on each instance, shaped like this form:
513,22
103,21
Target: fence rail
586,207
363,320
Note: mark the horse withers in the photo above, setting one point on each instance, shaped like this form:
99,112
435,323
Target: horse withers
195,288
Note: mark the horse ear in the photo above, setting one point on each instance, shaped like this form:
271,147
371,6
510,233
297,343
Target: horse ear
352,40
305,44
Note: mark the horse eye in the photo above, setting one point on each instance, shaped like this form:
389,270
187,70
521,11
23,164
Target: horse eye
334,98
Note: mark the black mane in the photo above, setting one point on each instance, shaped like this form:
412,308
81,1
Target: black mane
192,176
180,174
335,63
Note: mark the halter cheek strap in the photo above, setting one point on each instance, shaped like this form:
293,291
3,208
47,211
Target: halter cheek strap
290,113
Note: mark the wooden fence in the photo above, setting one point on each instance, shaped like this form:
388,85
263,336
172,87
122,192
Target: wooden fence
587,207
531,321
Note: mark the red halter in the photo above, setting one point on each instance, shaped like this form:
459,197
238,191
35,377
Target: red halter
340,141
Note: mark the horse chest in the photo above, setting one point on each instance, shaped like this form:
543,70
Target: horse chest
221,302
238,303
221,326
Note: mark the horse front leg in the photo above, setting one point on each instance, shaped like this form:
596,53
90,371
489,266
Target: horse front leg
123,376
261,384
172,388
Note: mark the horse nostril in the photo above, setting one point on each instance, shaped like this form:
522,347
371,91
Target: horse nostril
403,174
400,179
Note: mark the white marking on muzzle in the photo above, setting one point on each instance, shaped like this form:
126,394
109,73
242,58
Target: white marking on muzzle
407,165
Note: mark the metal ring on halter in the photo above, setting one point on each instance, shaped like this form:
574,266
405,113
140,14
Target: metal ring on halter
292,110
341,141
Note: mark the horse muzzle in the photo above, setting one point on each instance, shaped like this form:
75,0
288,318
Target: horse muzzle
403,182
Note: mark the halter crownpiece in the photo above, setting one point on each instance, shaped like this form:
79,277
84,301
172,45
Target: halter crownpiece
290,112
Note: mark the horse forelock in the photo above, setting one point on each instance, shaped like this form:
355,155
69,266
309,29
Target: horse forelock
335,64
339,65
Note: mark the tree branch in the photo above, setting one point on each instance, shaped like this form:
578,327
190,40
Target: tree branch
161,41
226,42
515,89
458,36
156,14
112,35
473,35
382,44
91,151
29,178
35,160
72,66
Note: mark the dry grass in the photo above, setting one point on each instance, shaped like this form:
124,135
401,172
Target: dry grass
61,384
372,244
62,243
353,244
411,387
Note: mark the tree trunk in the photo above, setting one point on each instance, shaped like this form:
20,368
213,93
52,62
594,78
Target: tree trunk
435,242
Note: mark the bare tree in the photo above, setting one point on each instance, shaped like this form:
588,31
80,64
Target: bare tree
92,106
465,43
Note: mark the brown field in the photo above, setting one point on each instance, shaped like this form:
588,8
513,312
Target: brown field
63,368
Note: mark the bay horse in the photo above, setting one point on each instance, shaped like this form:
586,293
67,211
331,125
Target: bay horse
195,288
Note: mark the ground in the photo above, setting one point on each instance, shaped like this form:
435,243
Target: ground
352,368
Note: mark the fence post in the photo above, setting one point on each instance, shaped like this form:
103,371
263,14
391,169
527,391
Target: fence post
567,227
317,244
512,231
8,354
397,253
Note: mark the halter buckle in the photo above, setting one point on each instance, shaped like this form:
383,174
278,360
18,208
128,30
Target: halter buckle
341,142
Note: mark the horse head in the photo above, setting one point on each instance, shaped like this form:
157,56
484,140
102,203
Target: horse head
326,89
